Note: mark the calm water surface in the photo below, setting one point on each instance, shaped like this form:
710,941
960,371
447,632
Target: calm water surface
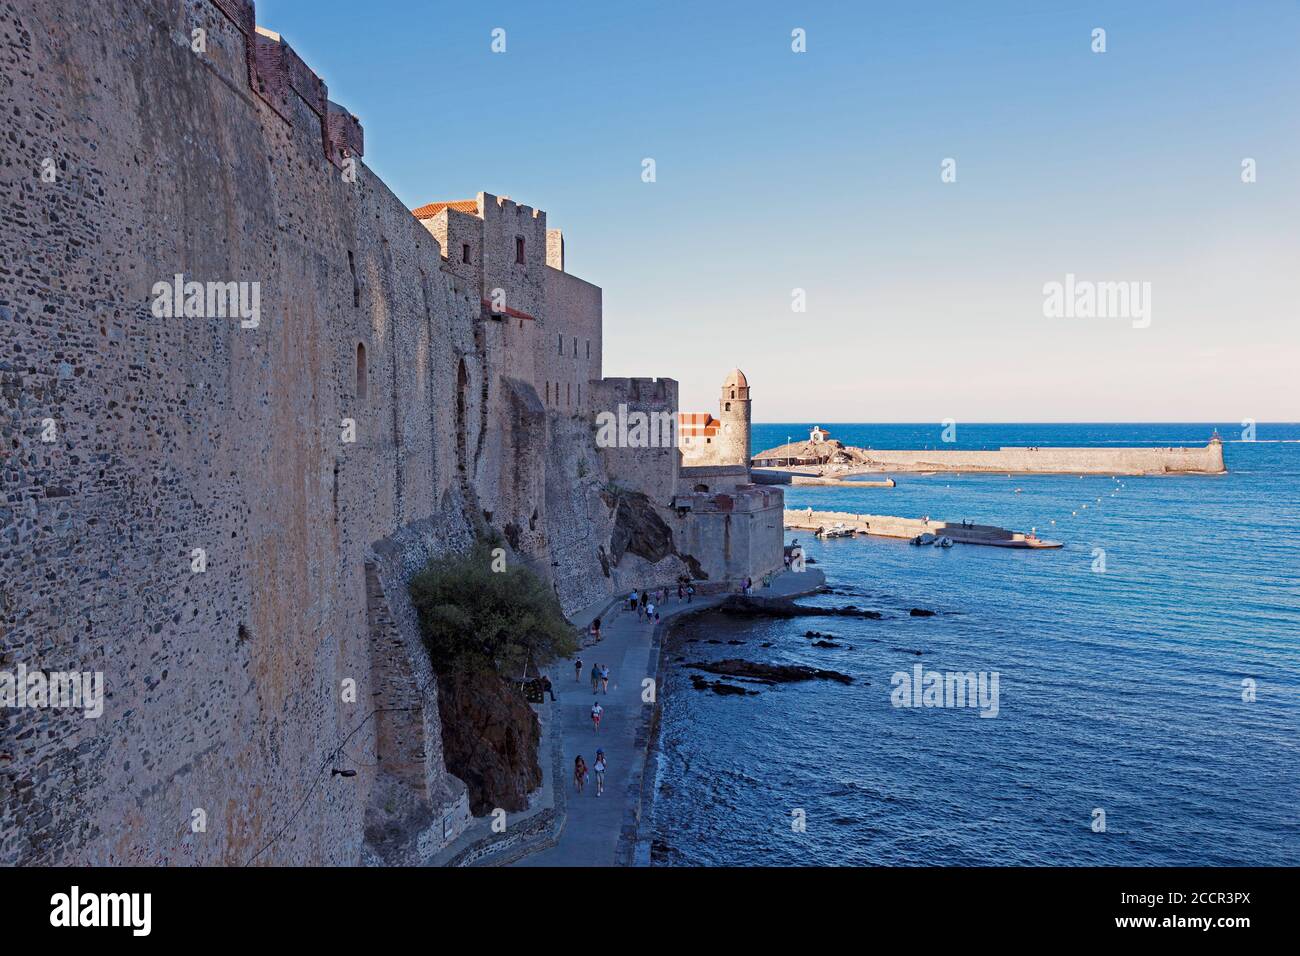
1119,690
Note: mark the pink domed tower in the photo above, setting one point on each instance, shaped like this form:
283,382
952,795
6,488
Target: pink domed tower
733,413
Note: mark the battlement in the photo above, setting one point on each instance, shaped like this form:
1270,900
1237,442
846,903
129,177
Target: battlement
639,391
506,204
276,73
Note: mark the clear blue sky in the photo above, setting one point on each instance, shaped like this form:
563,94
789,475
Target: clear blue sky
821,171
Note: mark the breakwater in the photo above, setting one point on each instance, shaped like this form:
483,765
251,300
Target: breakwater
1206,460
891,526
1195,460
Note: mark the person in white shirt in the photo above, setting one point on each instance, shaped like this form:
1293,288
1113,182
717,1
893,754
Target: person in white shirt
596,711
599,767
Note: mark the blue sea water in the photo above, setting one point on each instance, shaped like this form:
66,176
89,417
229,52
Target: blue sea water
1119,691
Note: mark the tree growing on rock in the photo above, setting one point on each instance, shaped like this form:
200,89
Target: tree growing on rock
474,618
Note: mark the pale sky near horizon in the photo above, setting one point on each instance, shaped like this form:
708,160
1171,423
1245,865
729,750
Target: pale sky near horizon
821,171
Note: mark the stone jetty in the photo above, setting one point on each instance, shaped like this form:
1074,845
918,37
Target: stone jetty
828,458
890,526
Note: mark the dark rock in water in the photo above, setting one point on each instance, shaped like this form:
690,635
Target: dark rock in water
779,673
766,644
739,605
920,612
712,641
717,686
907,650
490,737
720,688
826,644
735,642
678,660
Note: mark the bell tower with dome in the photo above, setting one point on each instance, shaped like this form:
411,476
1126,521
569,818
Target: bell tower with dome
734,416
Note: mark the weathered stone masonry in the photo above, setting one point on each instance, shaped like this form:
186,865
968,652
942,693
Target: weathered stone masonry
176,434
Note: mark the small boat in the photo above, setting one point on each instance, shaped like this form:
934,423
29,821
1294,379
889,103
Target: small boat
924,538
839,531
944,542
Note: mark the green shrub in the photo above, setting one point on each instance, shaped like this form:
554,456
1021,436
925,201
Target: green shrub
474,618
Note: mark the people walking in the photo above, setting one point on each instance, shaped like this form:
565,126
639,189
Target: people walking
595,629
577,669
632,601
546,687
579,774
595,676
650,613
690,593
599,767
596,712
604,678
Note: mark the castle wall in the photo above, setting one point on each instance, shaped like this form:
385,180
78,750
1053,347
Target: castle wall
182,433
455,230
733,534
651,470
375,416
570,348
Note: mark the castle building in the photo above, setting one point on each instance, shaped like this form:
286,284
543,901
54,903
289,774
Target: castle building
544,325
409,383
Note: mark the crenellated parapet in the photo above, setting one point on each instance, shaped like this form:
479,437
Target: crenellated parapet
276,74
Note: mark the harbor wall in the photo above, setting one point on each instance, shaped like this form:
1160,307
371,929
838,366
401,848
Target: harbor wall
893,526
1110,461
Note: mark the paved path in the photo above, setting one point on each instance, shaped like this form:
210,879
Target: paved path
593,825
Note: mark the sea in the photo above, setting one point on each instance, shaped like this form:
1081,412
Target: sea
1148,673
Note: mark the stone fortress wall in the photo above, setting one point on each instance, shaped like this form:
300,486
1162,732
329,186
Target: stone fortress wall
651,468
384,409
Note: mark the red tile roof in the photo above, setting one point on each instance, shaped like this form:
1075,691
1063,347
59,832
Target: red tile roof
697,424
432,209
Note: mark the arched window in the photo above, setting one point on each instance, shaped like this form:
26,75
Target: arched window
361,370
727,407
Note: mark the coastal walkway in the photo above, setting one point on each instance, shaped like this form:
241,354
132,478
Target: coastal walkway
603,831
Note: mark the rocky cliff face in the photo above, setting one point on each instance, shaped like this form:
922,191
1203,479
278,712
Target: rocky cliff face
490,737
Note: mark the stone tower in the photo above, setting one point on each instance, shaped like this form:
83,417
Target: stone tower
733,413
